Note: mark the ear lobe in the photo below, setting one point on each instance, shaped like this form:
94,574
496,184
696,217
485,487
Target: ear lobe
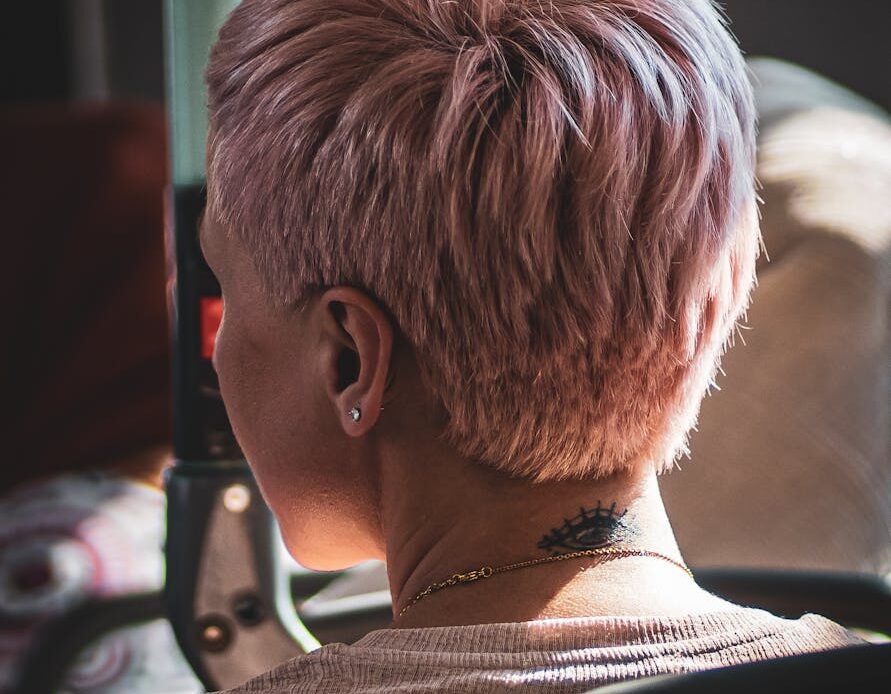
359,364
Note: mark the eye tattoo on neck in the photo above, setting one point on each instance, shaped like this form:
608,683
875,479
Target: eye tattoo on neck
590,529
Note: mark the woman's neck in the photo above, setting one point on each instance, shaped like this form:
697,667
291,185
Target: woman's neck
452,517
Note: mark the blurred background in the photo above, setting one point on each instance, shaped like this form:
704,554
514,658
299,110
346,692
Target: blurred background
790,465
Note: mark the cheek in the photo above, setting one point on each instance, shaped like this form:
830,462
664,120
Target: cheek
283,423
262,397
237,377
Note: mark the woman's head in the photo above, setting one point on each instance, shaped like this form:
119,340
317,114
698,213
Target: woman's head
553,201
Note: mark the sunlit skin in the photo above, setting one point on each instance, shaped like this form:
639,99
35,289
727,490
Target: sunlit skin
388,487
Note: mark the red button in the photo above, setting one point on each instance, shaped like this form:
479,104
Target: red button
211,317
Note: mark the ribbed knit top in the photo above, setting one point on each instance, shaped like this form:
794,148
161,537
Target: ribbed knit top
554,655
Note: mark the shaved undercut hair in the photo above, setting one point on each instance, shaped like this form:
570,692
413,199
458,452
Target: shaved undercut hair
554,199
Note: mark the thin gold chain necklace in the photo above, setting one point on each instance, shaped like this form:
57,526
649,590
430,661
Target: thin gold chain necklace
488,571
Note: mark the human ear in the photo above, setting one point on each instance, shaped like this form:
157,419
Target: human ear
360,336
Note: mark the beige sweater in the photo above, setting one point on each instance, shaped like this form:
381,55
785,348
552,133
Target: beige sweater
557,655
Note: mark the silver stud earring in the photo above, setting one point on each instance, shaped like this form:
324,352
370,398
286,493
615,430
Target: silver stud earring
355,414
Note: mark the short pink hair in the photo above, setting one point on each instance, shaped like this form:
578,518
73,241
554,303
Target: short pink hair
555,201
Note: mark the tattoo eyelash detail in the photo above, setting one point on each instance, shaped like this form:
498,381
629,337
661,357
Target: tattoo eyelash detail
591,529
